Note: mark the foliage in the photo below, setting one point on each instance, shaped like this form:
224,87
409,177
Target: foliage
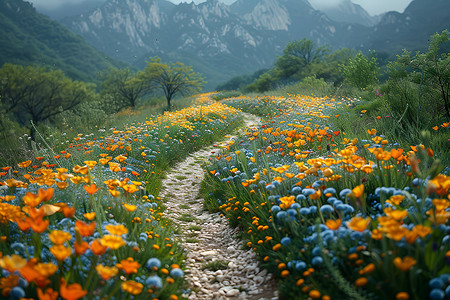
418,88
361,71
298,56
37,94
30,38
240,82
310,86
88,220
173,79
123,88
331,214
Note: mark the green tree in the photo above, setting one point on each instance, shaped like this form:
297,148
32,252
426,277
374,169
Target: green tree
173,79
418,86
123,87
361,71
36,94
298,56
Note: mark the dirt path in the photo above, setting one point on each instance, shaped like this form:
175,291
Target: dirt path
217,267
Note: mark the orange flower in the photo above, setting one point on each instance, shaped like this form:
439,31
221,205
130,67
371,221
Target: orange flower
39,225
82,170
114,193
46,195
358,224
358,191
60,252
91,189
130,207
90,216
50,294
98,248
85,229
129,265
333,224
68,212
80,248
24,164
404,264
72,291
31,199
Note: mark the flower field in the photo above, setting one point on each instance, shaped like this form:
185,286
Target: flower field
88,222
335,216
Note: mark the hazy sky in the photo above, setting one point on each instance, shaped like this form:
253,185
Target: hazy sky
373,7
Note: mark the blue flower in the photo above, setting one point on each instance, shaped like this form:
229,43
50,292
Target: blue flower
153,263
300,266
326,209
316,260
437,294
285,241
275,209
344,193
436,283
176,273
154,281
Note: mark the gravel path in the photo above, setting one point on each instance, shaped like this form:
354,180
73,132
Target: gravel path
208,240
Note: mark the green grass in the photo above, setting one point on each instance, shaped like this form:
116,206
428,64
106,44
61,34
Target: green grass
187,218
216,265
195,227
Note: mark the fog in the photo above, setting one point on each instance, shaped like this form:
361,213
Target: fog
372,7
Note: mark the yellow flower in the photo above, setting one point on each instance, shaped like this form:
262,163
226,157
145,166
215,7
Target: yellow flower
112,241
12,263
132,287
404,264
106,272
358,224
395,214
396,199
46,269
116,229
59,237
60,252
287,201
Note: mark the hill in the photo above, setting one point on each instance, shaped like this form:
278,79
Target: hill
28,37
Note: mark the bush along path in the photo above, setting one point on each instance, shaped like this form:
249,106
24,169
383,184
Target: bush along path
217,267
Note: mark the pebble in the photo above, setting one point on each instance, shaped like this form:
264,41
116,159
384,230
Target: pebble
216,241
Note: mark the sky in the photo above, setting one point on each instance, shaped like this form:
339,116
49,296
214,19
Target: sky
373,7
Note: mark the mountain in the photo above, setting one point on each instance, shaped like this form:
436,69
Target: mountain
208,35
222,41
348,12
410,29
28,37
68,9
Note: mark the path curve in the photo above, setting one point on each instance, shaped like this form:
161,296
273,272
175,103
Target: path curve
208,239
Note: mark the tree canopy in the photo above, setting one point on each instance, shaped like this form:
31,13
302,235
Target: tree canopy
173,79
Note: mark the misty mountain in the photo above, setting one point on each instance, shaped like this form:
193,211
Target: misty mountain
219,40
348,12
410,29
28,37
